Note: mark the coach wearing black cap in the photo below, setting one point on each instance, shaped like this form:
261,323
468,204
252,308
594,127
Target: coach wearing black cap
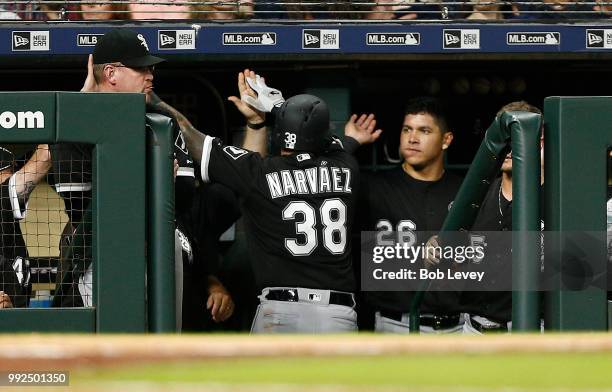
121,63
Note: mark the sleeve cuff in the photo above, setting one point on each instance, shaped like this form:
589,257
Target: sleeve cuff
206,149
185,172
18,212
350,145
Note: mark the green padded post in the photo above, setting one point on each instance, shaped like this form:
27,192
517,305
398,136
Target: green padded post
115,125
161,284
609,315
525,135
578,134
82,320
484,168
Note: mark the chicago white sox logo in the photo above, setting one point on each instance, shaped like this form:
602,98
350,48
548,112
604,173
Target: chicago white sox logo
185,245
143,42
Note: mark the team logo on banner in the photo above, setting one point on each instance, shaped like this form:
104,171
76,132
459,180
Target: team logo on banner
320,39
88,39
461,39
176,39
249,38
30,40
401,39
599,39
534,38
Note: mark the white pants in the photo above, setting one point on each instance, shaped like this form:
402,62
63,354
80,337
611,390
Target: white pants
303,316
468,328
178,280
85,287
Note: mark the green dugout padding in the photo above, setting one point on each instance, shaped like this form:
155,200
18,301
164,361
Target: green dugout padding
161,287
519,131
578,134
115,125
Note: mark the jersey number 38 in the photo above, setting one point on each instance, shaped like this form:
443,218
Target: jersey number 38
332,214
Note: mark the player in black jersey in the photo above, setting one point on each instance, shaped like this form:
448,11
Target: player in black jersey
401,202
492,310
18,179
196,283
298,211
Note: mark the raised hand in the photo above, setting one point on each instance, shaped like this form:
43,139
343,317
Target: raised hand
252,114
267,97
362,128
90,84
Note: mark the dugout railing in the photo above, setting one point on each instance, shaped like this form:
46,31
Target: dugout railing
519,132
115,127
578,139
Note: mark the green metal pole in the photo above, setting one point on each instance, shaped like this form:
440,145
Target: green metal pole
160,245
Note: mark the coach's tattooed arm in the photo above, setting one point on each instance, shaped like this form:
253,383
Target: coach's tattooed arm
255,138
193,138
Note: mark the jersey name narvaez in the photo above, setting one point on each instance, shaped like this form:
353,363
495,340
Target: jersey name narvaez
313,180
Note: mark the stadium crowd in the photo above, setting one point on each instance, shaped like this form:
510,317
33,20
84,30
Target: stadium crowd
306,10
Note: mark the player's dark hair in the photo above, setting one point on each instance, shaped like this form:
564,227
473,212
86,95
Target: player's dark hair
429,105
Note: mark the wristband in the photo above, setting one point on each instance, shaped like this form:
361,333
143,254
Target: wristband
256,126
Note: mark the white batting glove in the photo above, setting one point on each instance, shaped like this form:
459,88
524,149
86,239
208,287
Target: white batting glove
267,97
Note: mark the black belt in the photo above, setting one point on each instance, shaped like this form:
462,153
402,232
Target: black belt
435,321
483,328
291,295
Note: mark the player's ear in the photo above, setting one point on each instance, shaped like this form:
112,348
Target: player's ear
109,73
447,139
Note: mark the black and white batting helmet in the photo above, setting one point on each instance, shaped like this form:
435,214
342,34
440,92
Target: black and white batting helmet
302,124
